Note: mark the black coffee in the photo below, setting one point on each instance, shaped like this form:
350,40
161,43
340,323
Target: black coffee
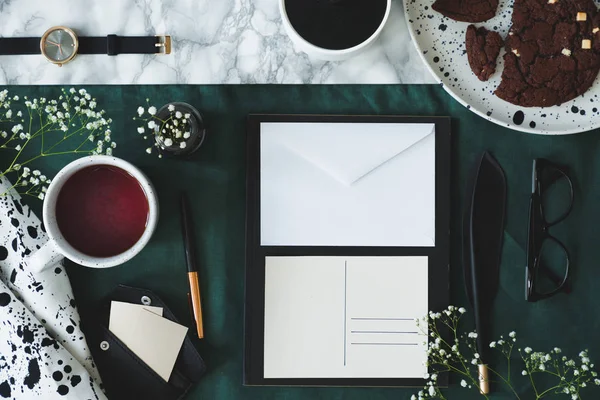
335,24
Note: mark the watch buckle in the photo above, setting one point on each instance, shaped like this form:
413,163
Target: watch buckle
164,41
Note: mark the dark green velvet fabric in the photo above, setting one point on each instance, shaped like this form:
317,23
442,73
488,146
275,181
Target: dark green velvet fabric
215,179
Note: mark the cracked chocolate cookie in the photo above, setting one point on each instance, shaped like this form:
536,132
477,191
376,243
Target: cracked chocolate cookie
467,10
552,52
483,47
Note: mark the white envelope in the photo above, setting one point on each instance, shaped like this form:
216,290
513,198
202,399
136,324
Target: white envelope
347,184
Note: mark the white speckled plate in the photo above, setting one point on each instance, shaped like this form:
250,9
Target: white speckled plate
441,43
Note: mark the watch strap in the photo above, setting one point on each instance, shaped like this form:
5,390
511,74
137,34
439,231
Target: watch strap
114,45
21,45
111,45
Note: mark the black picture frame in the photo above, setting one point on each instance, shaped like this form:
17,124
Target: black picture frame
438,270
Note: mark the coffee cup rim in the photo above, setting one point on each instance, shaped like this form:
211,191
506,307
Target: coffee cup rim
51,224
330,54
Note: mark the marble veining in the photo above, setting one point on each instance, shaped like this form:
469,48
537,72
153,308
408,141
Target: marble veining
214,42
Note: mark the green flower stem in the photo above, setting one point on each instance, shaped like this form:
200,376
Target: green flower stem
466,371
12,187
508,364
507,382
42,125
545,392
530,377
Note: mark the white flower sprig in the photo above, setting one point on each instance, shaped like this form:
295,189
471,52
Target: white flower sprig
39,127
174,129
457,353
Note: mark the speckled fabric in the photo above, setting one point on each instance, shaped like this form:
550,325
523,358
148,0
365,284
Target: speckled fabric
43,352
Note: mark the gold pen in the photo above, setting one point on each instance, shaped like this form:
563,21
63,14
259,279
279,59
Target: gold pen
190,259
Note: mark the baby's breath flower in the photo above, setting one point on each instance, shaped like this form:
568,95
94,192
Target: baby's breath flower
178,115
523,372
528,350
186,135
432,390
182,145
463,383
41,196
149,150
171,107
141,130
152,110
140,111
151,124
168,142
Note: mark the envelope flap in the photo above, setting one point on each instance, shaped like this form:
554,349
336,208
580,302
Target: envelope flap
350,151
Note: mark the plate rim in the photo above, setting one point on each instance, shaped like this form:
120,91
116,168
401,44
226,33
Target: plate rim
471,107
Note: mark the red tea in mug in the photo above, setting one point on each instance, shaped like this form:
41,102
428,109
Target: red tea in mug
102,211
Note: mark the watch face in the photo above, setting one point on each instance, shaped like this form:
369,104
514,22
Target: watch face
59,45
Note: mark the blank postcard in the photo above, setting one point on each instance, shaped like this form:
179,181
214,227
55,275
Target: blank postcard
345,317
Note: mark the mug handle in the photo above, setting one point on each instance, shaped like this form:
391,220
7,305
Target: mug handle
44,257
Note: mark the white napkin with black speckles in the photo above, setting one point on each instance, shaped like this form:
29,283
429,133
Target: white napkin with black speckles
43,352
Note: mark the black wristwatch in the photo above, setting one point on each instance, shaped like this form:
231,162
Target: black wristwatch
60,45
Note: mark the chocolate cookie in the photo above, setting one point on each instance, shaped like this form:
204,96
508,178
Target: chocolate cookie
467,10
483,47
552,52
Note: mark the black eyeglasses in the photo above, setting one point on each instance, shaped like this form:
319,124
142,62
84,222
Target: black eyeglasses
547,271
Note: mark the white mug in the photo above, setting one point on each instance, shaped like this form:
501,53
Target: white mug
320,53
57,246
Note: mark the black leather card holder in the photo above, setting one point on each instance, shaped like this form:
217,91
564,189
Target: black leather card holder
126,376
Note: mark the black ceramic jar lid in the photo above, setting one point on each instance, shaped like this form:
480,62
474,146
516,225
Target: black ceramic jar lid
335,24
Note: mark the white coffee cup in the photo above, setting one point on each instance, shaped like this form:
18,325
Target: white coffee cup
320,53
57,246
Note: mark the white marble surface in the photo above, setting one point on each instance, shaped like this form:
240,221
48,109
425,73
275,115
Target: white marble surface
214,41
